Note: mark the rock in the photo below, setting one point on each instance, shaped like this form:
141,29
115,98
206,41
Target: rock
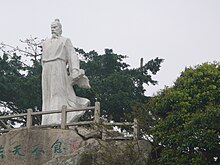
68,147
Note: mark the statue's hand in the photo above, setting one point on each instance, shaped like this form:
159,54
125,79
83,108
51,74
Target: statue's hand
83,82
81,73
76,74
79,78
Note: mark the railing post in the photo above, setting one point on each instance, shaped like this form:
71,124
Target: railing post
135,129
104,134
97,112
63,117
2,123
29,118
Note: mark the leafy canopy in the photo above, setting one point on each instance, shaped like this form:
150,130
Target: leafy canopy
113,83
188,128
20,82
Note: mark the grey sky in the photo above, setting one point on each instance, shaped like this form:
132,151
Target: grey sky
183,32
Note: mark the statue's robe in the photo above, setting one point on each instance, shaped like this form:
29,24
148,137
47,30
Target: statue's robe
56,83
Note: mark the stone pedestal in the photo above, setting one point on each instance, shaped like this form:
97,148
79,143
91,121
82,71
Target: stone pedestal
37,146
68,147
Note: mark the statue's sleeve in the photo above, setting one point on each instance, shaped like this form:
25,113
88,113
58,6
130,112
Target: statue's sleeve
72,56
72,60
77,75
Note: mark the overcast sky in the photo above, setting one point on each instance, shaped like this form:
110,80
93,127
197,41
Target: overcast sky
183,32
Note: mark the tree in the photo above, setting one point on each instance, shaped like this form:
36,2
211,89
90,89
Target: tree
20,82
115,85
188,129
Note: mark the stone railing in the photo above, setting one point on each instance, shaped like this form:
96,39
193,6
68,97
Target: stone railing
64,125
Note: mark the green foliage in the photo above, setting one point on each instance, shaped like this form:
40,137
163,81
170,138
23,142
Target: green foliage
188,128
20,85
20,82
115,85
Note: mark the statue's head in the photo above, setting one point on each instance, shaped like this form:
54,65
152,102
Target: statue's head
56,28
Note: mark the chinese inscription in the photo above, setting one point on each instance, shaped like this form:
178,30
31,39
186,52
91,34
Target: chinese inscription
17,150
37,150
56,147
1,152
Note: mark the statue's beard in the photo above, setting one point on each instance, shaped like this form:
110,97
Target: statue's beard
55,35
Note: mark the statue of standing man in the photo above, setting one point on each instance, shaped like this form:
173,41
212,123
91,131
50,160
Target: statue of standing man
58,55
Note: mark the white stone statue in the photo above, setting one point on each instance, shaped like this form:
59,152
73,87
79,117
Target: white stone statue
58,55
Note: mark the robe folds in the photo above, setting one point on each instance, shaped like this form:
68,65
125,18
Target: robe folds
57,87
